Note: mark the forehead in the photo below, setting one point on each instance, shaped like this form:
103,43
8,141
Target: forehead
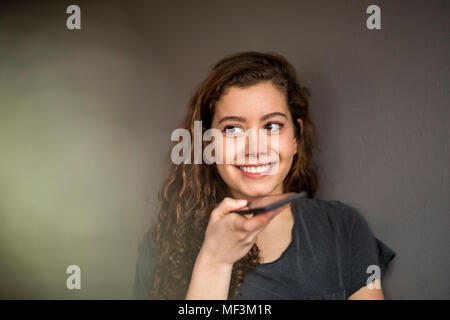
251,102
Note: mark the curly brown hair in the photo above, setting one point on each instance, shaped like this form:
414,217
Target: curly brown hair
191,191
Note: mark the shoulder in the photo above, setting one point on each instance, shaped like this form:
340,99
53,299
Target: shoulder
146,245
145,266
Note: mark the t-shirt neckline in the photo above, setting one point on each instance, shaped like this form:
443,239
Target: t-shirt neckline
291,244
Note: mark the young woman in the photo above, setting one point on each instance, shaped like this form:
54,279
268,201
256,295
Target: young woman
200,249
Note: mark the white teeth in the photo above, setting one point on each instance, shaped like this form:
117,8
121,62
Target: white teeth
255,169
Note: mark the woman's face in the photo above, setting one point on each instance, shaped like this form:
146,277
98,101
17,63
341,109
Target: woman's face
262,165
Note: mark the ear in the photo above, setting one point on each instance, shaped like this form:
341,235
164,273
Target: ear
300,123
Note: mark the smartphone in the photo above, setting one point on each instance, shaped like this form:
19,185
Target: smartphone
271,205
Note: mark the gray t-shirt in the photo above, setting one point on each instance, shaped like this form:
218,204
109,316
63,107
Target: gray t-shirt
332,254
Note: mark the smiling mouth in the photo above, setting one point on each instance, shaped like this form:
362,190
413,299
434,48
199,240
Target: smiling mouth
256,170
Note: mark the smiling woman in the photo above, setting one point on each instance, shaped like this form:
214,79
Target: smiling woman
199,249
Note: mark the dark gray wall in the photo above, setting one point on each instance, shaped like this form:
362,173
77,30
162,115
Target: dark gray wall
86,118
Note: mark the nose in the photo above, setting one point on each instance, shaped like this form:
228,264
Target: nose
257,147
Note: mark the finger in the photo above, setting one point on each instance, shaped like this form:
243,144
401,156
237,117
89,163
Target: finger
227,205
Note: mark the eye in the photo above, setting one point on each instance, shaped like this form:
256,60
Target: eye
232,130
274,126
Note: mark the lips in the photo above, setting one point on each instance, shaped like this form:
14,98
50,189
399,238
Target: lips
255,171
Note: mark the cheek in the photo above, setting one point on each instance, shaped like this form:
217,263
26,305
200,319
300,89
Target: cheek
228,150
220,169
226,174
231,151
287,149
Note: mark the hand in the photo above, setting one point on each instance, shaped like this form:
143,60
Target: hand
229,237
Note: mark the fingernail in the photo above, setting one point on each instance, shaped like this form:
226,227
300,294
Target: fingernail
242,202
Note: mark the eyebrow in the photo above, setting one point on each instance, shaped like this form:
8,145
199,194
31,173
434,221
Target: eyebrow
265,117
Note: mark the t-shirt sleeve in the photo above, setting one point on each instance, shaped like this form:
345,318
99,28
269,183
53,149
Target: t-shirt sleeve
368,254
145,267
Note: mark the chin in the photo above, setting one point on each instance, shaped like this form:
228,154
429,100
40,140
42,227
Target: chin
255,192
256,189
